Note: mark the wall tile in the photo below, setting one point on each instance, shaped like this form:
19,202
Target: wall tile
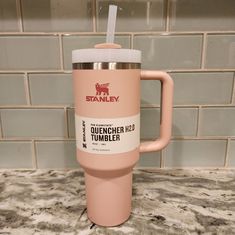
172,51
134,16
190,15
78,42
192,88
151,159
218,121
149,123
29,52
184,122
12,90
231,154
33,122
195,153
51,89
15,154
150,93
71,123
56,154
8,16
57,15
220,51
202,88
169,52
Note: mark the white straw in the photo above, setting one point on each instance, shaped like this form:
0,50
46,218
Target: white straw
111,24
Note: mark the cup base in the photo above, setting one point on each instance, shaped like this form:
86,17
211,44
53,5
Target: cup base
108,196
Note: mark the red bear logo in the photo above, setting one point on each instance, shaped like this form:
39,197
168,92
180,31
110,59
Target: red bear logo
102,88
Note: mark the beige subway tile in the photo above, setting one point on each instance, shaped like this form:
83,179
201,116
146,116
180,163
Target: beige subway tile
78,42
170,52
195,153
15,154
220,51
218,121
57,15
56,154
202,88
202,15
51,89
12,91
134,16
33,122
8,16
231,154
29,52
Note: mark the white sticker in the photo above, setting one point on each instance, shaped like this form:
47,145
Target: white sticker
107,136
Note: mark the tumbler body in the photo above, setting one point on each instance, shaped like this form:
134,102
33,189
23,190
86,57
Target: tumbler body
107,117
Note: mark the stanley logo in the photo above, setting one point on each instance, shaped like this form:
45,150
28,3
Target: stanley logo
102,94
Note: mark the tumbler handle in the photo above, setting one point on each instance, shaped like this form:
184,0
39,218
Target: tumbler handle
166,110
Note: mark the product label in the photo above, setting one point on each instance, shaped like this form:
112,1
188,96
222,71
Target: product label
107,136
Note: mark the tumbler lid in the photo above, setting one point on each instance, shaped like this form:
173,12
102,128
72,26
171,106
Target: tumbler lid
106,55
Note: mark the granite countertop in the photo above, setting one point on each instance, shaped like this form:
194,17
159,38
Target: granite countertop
164,202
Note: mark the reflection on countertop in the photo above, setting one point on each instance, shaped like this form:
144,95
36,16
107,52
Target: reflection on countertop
164,202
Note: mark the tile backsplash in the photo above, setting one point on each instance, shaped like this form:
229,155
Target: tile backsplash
192,40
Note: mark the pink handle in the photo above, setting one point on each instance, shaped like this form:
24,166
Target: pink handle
166,110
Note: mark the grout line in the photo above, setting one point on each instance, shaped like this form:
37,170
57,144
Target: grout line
19,15
119,33
61,52
149,106
34,71
37,138
34,155
94,18
162,158
66,122
33,107
166,70
202,137
136,168
203,53
168,8
27,89
186,33
132,41
233,91
142,107
217,168
198,121
199,70
226,152
1,130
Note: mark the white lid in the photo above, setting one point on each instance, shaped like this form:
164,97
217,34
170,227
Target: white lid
106,55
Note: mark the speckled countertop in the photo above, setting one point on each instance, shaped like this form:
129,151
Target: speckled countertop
164,202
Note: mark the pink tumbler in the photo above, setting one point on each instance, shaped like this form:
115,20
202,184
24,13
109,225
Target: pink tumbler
106,82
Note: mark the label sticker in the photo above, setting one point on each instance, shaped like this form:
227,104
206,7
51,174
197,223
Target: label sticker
107,136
